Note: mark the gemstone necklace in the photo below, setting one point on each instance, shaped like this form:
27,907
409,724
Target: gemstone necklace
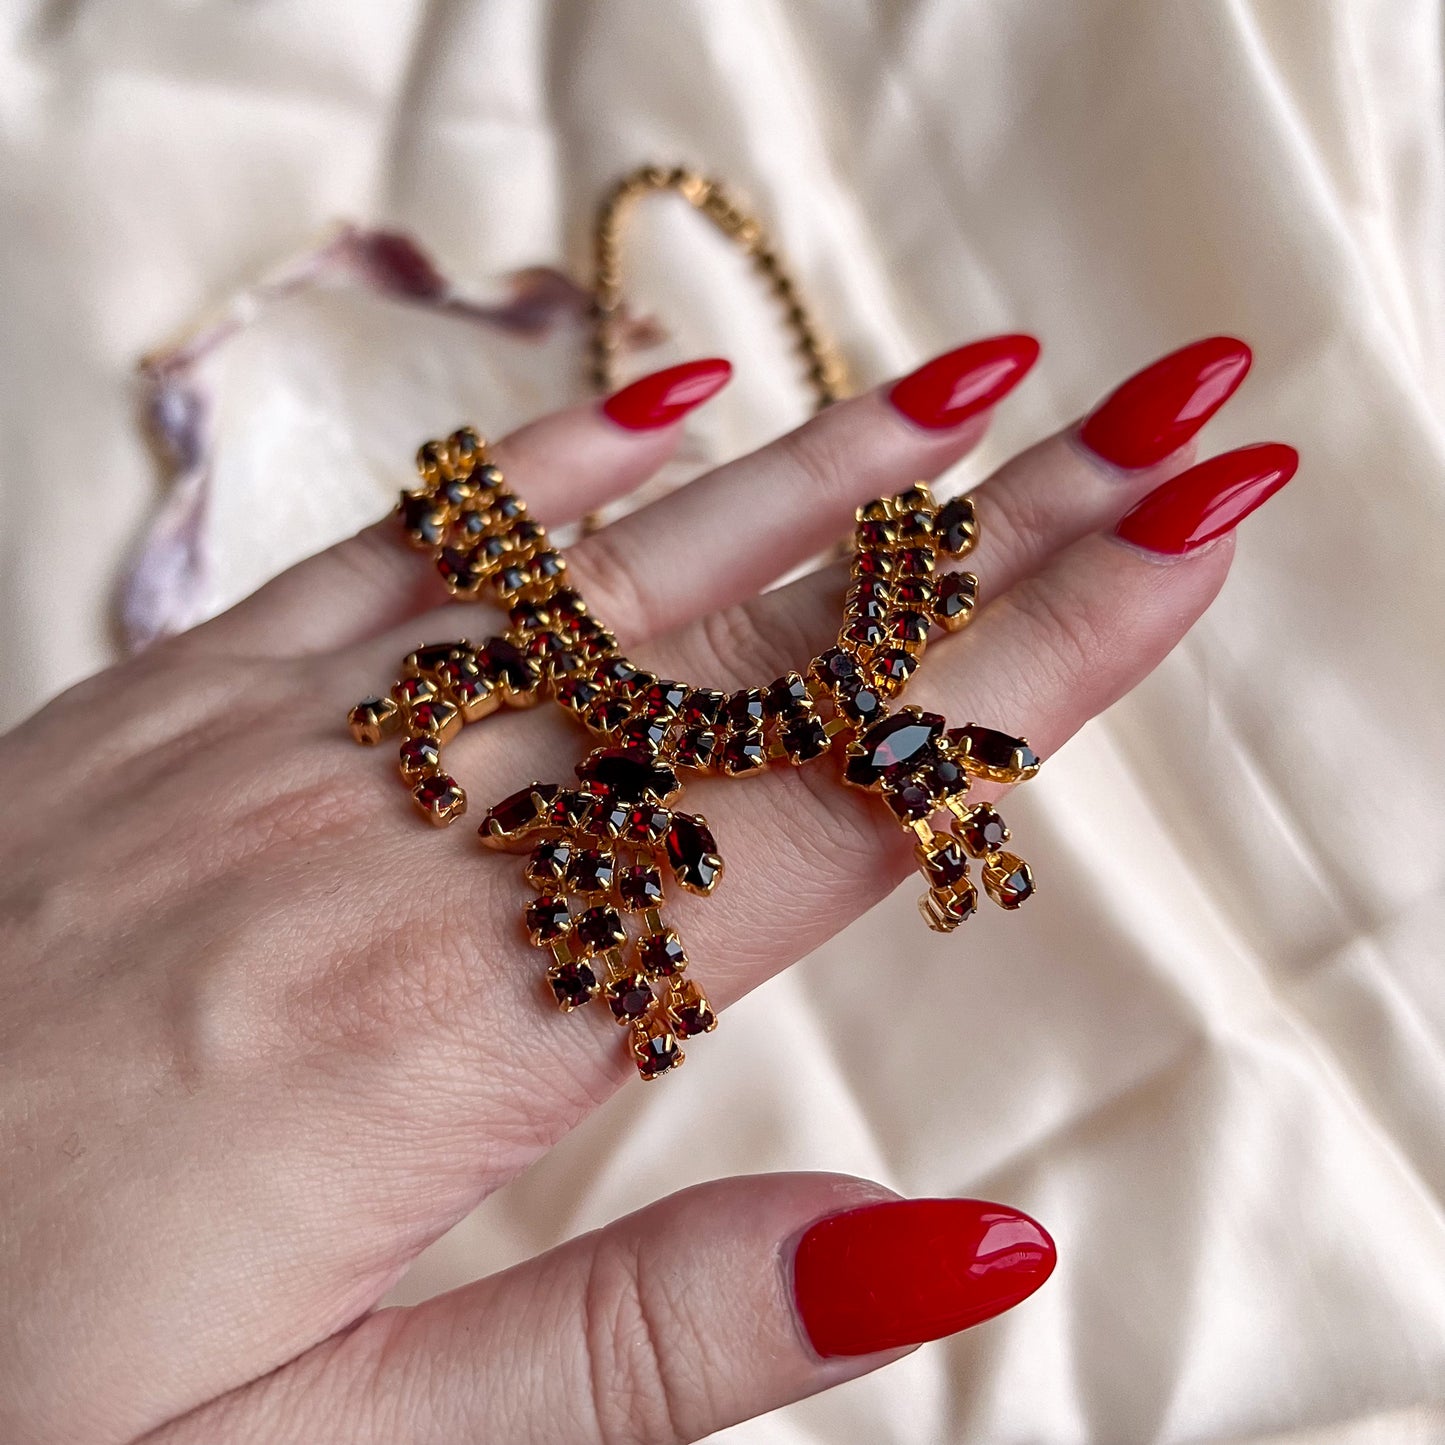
603,848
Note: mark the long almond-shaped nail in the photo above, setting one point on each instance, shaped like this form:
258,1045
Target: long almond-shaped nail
959,384
1192,509
1160,408
905,1271
664,397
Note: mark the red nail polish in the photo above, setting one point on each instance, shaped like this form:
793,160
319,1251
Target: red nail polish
1158,409
1208,500
960,384
667,396
911,1270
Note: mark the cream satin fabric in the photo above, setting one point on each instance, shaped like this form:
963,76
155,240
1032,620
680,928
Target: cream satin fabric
1211,1054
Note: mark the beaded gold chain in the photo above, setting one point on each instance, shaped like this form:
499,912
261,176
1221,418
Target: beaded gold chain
601,850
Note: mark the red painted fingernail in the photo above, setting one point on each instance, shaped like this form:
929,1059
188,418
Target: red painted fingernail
1208,500
1158,409
911,1270
960,384
667,396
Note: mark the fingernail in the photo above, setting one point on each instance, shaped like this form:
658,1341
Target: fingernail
667,396
910,1270
960,384
1158,409
1209,500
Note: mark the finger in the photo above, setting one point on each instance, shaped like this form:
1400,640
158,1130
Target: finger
710,1307
565,465
732,532
1040,661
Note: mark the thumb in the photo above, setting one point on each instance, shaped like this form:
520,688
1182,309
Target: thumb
709,1307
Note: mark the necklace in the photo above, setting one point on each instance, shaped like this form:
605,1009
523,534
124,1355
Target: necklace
601,850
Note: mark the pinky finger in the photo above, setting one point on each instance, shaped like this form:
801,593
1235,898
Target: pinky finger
709,1307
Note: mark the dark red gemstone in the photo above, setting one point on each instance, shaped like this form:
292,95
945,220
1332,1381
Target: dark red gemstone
661,954
436,655
547,918
943,776
874,564
835,667
546,565
424,520
955,595
909,799
916,562
894,666
608,713
430,456
876,535
431,716
541,644
590,871
505,663
892,746
874,511
458,670
945,864
629,997
573,983
656,1054
549,862
956,526
908,627
598,929
460,569
645,824
695,748
703,706
787,697
692,853
437,792
418,757
744,752
640,887
744,709
577,694
866,608
631,776
994,750
569,808
617,671
513,579
608,817
1014,889
859,703
692,1014
486,477
914,593
663,698
506,507
490,550
863,632
805,738
525,533
982,830
412,690
456,490
643,734
525,808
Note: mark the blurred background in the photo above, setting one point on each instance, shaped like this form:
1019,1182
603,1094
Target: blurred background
1211,1056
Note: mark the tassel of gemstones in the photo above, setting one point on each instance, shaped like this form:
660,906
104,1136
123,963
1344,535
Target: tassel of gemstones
603,849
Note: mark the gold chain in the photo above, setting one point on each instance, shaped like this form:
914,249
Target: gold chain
826,374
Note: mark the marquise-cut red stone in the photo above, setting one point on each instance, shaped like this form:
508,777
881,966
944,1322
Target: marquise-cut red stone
892,746
692,853
634,777
526,808
994,750
956,526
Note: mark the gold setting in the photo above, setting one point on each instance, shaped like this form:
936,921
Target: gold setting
602,849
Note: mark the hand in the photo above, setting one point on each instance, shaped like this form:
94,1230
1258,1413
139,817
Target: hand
263,1036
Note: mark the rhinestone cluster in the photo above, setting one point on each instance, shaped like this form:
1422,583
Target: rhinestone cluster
603,849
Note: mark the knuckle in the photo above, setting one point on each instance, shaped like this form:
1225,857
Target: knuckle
642,1351
816,454
1015,524
609,581
1066,641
